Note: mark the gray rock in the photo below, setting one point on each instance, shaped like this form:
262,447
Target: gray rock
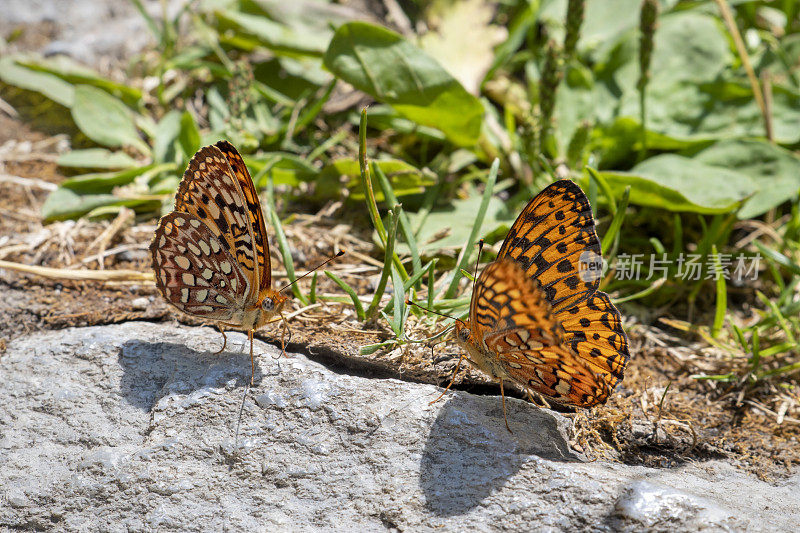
87,30
132,427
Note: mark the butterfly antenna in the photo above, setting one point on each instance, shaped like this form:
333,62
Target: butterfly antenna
328,260
409,302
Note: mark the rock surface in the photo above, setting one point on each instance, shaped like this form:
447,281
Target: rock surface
131,427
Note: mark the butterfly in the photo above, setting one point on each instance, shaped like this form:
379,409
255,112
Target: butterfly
211,254
536,317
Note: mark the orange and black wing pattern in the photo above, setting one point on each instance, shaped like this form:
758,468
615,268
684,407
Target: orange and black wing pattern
518,333
553,240
212,191
593,330
253,206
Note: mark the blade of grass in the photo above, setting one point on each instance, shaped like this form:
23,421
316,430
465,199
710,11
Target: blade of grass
369,193
410,282
350,292
612,233
366,180
312,293
405,223
606,188
778,315
778,258
283,244
463,257
722,294
370,349
387,261
641,294
431,284
399,313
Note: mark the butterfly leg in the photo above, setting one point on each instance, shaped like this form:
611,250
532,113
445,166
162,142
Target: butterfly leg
285,330
503,398
224,340
252,359
458,365
542,400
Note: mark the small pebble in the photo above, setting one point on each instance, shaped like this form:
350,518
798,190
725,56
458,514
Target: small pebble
140,304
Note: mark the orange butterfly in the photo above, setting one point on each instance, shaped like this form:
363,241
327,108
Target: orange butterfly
537,317
211,254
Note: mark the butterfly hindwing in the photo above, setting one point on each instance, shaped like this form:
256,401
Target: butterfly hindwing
194,271
514,321
554,240
593,329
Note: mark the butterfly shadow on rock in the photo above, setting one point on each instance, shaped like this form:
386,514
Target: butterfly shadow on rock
469,453
152,370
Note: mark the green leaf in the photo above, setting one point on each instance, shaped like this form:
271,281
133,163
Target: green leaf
105,119
404,178
678,183
447,228
48,85
284,169
74,73
775,171
274,35
392,70
189,136
96,158
104,182
166,134
64,204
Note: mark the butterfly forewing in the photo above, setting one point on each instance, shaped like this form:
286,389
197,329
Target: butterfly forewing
256,216
554,240
210,191
505,300
194,271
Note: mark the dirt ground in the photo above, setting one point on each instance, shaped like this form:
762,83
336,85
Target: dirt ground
660,416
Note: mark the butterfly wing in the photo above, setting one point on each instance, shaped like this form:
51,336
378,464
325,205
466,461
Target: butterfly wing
194,271
554,241
256,216
513,320
593,329
211,191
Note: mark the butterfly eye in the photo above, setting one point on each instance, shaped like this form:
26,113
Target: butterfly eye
463,334
268,304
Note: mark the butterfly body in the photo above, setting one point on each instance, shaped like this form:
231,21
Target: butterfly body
536,315
211,254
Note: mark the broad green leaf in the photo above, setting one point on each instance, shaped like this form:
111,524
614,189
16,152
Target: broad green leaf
690,54
604,20
275,35
392,70
448,227
166,135
284,169
405,179
467,55
678,183
775,171
105,119
74,73
103,182
96,158
189,136
48,85
64,204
